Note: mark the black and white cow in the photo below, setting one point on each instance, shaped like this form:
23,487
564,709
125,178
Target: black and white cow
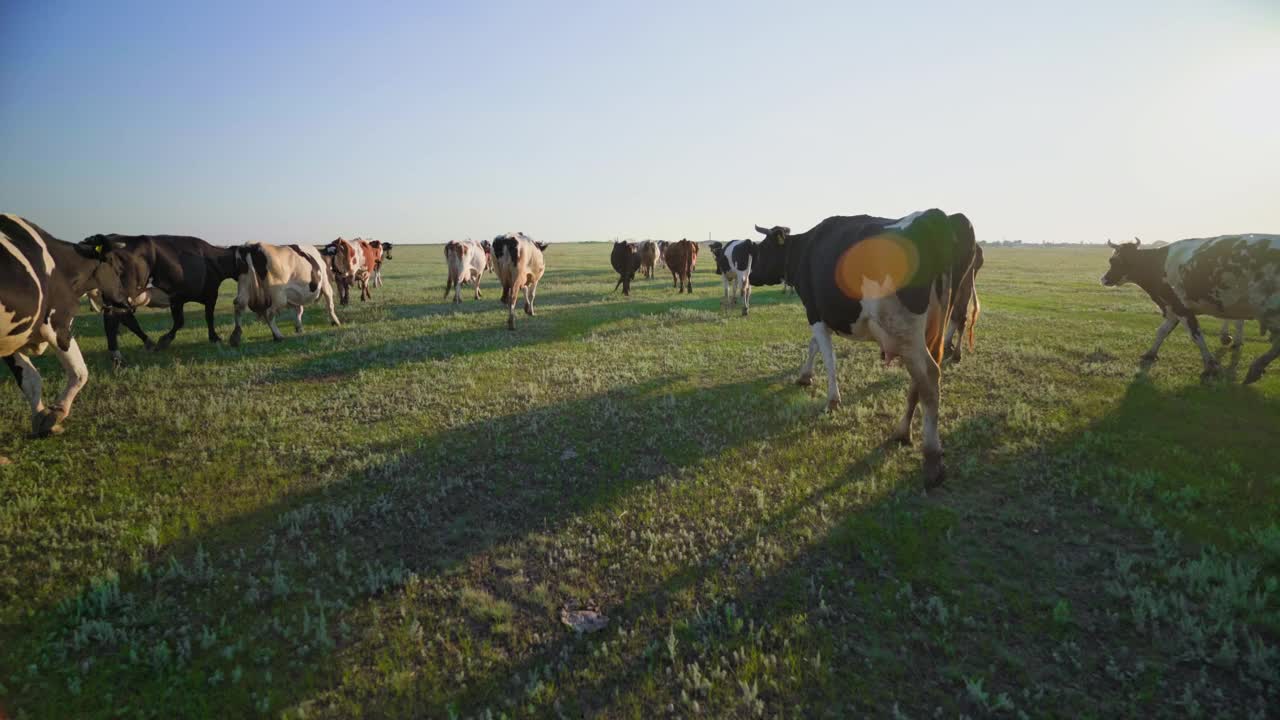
186,269
1233,277
965,309
733,264
889,281
41,282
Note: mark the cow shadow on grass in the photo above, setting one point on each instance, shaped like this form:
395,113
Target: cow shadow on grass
423,509
907,598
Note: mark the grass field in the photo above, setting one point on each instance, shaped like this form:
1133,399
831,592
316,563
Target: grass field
386,518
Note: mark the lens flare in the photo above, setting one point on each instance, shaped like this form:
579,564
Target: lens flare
876,267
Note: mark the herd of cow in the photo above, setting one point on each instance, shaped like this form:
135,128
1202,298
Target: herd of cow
907,284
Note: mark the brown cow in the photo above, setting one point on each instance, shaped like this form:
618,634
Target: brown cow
519,264
681,258
370,258
345,260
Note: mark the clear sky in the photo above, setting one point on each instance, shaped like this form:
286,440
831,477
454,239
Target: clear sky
423,122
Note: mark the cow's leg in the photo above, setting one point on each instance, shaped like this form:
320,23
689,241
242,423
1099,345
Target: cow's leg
512,296
297,320
179,320
948,349
29,380
926,379
448,285
111,328
209,306
234,340
270,315
529,291
822,336
1170,321
457,291
806,370
1269,323
1211,366
327,294
77,375
746,294
1238,341
477,283
724,281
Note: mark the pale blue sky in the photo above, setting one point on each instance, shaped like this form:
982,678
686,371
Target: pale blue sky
417,122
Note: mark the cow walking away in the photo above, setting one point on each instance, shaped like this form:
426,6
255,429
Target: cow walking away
488,255
733,264
518,261
185,269
384,250
465,263
662,253
273,277
682,257
1233,277
888,281
371,256
626,260
648,251
42,280
965,309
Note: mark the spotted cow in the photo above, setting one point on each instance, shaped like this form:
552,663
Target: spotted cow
879,279
273,277
733,264
42,280
1233,277
518,261
965,309
465,264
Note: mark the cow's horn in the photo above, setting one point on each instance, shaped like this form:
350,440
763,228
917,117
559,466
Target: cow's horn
1137,240
1110,244
761,230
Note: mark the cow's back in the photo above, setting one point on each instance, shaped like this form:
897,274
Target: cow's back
26,279
1231,276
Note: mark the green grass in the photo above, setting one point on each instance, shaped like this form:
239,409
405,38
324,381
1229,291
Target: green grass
385,518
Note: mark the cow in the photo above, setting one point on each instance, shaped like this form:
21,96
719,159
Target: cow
682,257
1233,277
733,264
648,250
519,264
186,269
662,253
465,262
273,277
488,255
889,281
384,250
345,262
370,257
964,310
626,260
42,280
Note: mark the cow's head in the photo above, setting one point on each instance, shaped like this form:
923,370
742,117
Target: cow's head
131,264
1126,262
541,245
770,264
108,276
386,251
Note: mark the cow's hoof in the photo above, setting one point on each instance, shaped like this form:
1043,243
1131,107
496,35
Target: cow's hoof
215,339
1211,372
234,341
117,361
164,342
1148,358
1225,339
45,423
1254,374
148,345
804,380
277,338
744,312
900,439
833,404
935,473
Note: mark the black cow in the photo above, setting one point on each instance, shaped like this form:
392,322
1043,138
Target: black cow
626,261
871,278
187,269
41,282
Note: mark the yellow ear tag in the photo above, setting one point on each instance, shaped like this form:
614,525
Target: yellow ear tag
99,248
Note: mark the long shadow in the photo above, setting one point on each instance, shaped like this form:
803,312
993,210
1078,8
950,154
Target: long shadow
443,499
878,586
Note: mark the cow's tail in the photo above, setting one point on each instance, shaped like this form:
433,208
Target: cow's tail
936,316
974,310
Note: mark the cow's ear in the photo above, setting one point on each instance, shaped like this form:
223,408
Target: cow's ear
1137,241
